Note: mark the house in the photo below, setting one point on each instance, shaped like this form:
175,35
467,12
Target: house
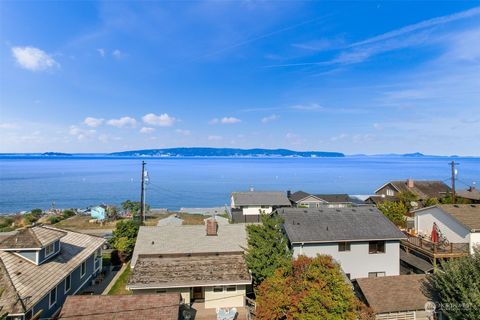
421,189
471,194
40,266
458,223
205,264
247,206
362,240
394,297
301,199
103,307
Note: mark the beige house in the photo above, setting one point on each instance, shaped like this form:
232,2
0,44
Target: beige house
203,263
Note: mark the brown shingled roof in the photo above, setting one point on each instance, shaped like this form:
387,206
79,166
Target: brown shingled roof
423,189
157,271
33,238
466,214
394,293
143,307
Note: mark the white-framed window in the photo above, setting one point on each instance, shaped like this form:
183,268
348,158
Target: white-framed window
376,274
375,247
52,297
49,249
390,192
220,289
230,288
68,283
83,268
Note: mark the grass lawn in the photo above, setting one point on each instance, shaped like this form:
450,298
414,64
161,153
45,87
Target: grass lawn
119,286
189,218
81,222
152,219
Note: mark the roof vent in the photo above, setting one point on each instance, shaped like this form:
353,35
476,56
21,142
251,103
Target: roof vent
338,210
327,228
305,211
410,183
354,210
456,206
153,242
473,206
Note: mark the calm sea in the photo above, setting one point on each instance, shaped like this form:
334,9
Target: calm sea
31,182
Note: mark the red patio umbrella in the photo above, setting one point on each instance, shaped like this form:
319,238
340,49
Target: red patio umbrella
434,235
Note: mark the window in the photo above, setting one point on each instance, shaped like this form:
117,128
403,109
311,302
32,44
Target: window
53,297
217,289
49,249
344,246
68,283
83,268
376,274
231,288
376,247
390,192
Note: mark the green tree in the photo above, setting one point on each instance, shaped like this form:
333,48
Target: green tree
124,236
406,197
112,213
267,247
430,202
456,288
134,207
54,219
37,213
307,289
67,213
395,211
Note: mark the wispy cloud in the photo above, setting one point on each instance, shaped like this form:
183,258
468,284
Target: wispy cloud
122,122
183,132
118,54
8,125
81,134
163,120
307,107
33,59
101,52
270,118
147,130
214,138
93,122
225,120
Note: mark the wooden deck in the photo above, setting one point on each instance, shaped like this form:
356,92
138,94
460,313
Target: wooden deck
435,250
200,313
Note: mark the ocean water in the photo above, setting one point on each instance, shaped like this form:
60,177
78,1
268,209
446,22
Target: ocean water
37,182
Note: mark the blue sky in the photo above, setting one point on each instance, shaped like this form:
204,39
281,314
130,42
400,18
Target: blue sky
355,77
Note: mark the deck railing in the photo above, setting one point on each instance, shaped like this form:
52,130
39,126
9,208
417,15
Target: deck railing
437,248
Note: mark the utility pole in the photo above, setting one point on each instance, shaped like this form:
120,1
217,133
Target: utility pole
142,195
452,164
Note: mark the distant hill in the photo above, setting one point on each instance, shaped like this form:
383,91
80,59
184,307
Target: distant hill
225,152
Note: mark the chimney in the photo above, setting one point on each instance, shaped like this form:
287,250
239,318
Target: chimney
289,193
472,188
410,183
212,227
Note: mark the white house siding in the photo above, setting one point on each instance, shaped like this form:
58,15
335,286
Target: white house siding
225,299
474,241
405,315
255,210
357,262
451,228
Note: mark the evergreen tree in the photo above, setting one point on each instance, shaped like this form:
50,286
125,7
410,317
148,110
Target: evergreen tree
456,289
395,211
267,247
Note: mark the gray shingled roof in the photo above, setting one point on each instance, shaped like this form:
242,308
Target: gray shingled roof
466,214
423,189
415,261
471,194
258,198
338,224
189,239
